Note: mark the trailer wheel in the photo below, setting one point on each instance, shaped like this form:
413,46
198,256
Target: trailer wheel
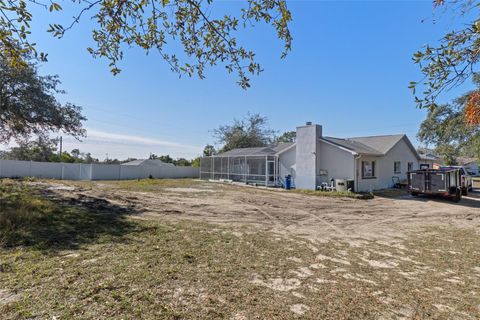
465,191
458,195
414,194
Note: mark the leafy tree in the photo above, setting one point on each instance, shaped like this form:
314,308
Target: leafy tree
288,136
112,161
89,159
449,153
453,61
76,154
128,160
166,159
252,131
196,162
28,105
206,36
182,162
209,150
81,157
447,129
43,149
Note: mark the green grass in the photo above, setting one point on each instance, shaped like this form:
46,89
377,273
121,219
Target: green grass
152,185
33,217
86,259
335,194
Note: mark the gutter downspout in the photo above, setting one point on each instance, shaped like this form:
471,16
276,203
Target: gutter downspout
357,157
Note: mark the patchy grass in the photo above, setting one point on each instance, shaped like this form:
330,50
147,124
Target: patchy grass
391,193
33,217
335,194
152,185
88,259
18,206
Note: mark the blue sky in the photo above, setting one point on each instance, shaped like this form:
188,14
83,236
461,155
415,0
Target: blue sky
348,70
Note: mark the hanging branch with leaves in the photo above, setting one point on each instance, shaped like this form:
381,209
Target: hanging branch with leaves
450,63
206,39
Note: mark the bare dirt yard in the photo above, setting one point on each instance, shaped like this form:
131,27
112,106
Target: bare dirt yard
187,249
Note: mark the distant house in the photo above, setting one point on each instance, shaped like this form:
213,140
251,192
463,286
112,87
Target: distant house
428,158
370,162
148,163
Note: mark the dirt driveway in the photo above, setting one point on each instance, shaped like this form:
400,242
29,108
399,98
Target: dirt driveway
388,216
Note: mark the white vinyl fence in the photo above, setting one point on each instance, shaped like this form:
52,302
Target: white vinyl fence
78,171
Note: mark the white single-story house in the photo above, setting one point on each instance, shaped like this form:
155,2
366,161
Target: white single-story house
428,158
372,163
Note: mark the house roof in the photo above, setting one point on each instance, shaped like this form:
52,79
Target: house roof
373,145
283,146
383,144
430,157
428,154
466,160
147,162
354,146
260,151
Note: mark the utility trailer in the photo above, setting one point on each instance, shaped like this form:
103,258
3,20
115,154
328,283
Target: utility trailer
445,182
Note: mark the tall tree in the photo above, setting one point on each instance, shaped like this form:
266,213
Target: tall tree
209,150
453,61
28,105
447,129
252,131
207,34
288,136
42,149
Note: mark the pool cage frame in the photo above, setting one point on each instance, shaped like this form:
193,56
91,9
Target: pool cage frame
249,169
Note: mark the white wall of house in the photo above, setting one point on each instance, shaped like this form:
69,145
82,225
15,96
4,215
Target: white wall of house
334,162
384,167
286,162
429,162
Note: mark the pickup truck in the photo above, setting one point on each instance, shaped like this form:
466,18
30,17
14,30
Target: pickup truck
467,179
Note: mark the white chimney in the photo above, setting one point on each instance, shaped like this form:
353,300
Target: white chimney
307,147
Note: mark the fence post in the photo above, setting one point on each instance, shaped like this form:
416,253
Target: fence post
266,171
245,169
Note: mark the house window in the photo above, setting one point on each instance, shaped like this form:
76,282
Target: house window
397,167
410,166
368,169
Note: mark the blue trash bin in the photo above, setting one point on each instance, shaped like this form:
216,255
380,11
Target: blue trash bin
288,182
